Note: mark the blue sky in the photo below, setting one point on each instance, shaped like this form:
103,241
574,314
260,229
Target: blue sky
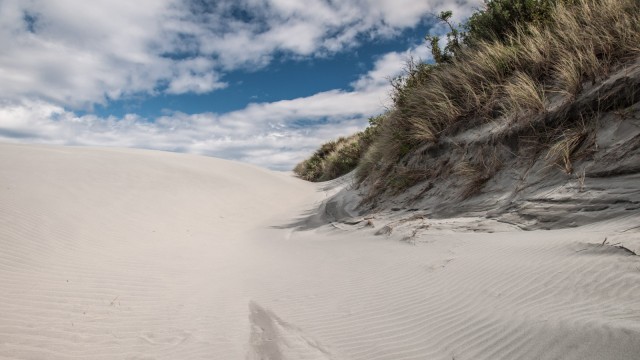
259,81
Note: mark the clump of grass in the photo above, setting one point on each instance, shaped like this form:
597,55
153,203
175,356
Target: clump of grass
568,74
344,159
472,176
524,94
424,131
475,174
312,169
562,152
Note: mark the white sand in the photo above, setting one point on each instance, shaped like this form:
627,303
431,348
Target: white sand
129,254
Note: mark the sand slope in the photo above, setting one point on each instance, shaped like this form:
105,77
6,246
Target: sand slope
129,254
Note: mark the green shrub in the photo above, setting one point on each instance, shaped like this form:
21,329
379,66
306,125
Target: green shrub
501,18
454,40
369,134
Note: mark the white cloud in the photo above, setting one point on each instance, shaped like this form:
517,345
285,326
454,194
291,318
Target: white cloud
194,75
199,83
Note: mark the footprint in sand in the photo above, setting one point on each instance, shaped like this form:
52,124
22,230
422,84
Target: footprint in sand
274,339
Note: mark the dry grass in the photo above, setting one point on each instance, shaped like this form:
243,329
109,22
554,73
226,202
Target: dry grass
569,75
563,150
474,178
581,176
424,131
535,51
465,169
477,172
524,94
589,37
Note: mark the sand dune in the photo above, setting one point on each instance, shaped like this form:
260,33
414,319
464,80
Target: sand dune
130,254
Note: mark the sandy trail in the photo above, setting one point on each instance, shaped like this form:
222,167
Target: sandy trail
129,254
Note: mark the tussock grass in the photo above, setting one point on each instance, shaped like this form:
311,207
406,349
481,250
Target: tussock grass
425,131
564,149
476,172
524,94
473,177
568,74
338,157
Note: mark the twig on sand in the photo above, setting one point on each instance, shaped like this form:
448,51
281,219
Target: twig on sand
114,300
631,228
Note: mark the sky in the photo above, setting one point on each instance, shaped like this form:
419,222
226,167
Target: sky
258,81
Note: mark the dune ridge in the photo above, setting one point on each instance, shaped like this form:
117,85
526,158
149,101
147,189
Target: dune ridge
132,254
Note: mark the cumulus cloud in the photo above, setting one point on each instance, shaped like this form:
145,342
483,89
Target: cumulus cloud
194,75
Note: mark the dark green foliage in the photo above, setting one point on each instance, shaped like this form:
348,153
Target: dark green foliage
501,18
371,132
454,40
436,52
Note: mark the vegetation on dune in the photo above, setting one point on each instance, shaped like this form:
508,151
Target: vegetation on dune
333,159
338,157
504,65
